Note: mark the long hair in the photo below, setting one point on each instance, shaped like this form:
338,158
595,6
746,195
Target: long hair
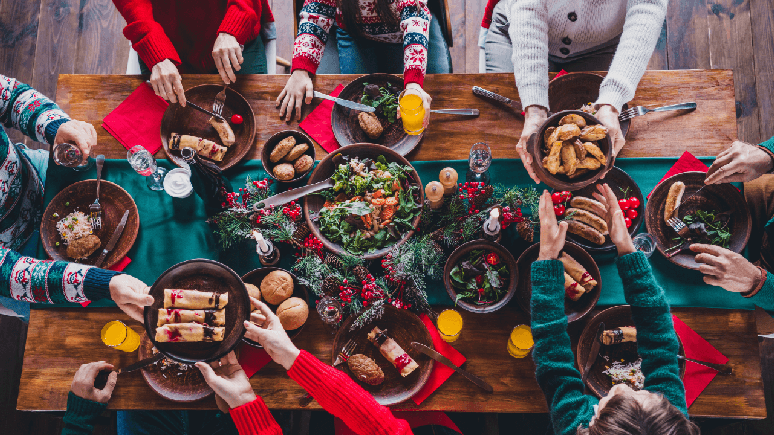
623,415
350,14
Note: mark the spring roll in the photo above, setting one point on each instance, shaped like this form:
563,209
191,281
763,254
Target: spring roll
176,298
209,317
577,271
572,289
188,332
393,352
624,334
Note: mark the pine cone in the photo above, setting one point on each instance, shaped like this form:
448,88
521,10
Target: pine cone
437,235
302,230
526,231
334,262
330,286
483,197
361,273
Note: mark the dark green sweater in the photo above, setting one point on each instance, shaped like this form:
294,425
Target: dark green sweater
80,415
556,373
765,296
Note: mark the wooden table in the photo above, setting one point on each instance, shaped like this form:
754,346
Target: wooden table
60,340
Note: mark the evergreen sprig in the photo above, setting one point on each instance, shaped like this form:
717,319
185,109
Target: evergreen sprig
232,226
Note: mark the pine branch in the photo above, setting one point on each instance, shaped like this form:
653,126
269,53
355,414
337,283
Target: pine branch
232,226
311,272
278,227
372,313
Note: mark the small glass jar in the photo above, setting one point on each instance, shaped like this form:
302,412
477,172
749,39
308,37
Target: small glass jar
520,342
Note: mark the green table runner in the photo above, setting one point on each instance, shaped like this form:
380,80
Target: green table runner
173,230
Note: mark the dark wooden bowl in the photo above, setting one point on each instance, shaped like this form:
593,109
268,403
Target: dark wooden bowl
77,197
203,275
255,277
562,182
187,120
325,169
619,181
267,148
402,326
460,253
575,310
571,91
720,197
172,383
613,317
346,126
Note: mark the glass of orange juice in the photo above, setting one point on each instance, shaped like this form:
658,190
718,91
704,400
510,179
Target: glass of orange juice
520,342
119,336
412,113
449,325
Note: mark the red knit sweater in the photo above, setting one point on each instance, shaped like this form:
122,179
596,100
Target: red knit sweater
184,31
336,392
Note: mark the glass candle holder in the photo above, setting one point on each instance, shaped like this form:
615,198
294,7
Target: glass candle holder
119,336
331,311
70,156
449,325
520,342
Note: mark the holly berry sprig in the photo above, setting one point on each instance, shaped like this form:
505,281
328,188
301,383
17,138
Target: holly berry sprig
511,216
314,244
293,211
470,190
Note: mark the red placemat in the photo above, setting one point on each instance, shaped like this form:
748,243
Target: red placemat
137,120
318,123
687,162
697,376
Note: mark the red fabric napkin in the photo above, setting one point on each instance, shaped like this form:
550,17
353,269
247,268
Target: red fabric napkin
440,372
415,419
697,377
318,123
137,120
252,359
118,267
686,162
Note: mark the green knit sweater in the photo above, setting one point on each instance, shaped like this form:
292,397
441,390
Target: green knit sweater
765,296
80,415
556,373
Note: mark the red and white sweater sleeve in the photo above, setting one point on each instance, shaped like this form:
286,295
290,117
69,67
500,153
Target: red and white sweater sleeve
314,22
241,19
254,418
343,398
147,36
415,24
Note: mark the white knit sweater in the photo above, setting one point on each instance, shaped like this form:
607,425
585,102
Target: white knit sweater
537,28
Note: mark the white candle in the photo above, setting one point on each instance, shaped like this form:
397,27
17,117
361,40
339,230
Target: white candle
492,225
262,247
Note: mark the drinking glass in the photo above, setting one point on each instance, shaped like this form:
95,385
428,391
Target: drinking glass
520,342
143,162
479,160
449,325
70,156
330,311
119,336
645,242
412,113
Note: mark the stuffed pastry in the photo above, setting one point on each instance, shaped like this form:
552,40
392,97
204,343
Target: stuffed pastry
624,334
572,289
577,271
188,333
176,298
393,352
175,315
224,130
203,147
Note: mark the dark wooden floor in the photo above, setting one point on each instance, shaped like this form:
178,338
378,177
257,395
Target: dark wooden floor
40,39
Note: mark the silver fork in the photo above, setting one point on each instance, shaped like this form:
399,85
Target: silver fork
341,358
678,225
641,110
220,101
95,209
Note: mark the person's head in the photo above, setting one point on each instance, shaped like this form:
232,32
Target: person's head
627,412
351,14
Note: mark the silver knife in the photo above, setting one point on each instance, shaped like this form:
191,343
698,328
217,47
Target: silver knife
463,112
481,92
419,347
294,194
113,239
202,109
594,352
346,103
101,380
764,323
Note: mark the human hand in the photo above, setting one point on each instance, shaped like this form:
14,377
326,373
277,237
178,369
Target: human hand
166,82
83,382
741,162
608,116
415,89
228,380
80,133
534,117
551,234
724,268
299,85
227,54
131,295
619,234
270,334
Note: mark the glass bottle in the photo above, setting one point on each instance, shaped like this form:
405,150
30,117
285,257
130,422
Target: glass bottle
208,182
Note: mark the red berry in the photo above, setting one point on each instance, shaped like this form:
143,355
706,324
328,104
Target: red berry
565,195
634,202
556,198
479,279
628,222
236,119
559,210
624,204
631,213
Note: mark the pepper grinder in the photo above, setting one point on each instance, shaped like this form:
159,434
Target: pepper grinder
448,177
267,255
434,194
492,226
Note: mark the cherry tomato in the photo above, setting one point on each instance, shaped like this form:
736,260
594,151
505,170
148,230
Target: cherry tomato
628,222
624,204
236,119
565,195
559,210
634,202
556,198
631,213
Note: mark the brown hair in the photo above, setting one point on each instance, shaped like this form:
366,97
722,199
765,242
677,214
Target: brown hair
350,14
623,415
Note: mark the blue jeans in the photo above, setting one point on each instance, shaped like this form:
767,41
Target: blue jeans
358,55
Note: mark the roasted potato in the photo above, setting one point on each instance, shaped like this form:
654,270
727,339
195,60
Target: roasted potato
589,163
567,132
569,161
594,150
553,160
593,133
573,118
580,150
548,139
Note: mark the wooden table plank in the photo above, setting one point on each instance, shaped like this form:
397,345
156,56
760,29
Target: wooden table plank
762,18
688,34
60,340
706,131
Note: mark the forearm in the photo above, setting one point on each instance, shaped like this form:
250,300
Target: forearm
80,415
254,418
342,397
415,22
644,20
240,20
314,23
30,112
528,31
147,36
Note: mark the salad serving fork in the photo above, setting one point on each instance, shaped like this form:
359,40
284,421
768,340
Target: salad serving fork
641,110
95,209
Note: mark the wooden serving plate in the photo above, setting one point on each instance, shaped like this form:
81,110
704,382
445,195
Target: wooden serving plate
77,197
255,277
720,197
402,326
209,276
187,120
575,310
346,126
172,383
613,317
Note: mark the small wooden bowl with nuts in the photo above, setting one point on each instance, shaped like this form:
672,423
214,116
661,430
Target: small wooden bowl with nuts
288,156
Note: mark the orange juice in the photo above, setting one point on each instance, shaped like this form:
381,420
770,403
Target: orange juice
412,113
119,336
520,342
449,325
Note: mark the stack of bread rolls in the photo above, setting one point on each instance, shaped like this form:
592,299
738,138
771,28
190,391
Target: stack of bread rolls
277,289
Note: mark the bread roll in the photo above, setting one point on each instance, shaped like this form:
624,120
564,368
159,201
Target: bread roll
282,149
254,292
293,313
296,152
585,231
276,287
674,198
365,369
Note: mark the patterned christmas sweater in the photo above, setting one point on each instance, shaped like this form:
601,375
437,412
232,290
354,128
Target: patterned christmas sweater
318,16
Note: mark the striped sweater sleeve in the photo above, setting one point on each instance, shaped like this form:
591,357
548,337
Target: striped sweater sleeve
29,111
415,24
342,397
314,23
51,282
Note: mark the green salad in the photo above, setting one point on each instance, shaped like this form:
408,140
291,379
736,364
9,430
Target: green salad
481,277
371,205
